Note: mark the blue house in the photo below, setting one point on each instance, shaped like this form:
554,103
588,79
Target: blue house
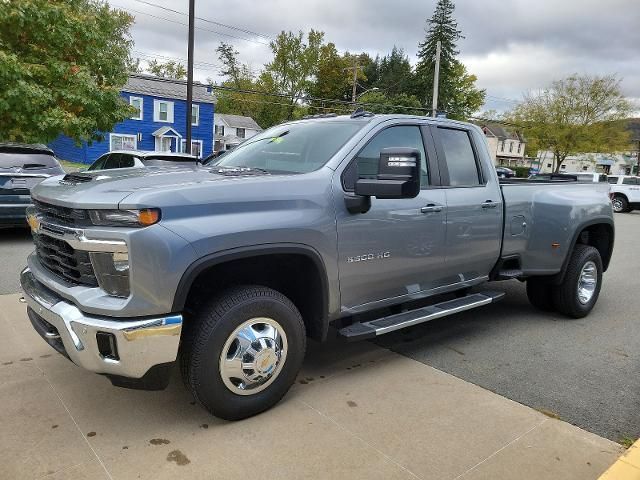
159,124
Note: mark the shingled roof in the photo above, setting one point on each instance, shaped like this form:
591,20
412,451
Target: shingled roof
238,121
167,88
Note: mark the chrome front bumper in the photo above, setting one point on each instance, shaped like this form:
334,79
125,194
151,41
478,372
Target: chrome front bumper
140,344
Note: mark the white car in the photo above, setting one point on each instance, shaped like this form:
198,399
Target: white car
587,177
625,192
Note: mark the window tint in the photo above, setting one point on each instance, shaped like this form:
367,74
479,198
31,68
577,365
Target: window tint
367,161
126,161
612,179
461,161
629,181
99,163
27,160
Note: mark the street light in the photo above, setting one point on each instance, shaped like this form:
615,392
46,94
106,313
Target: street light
374,89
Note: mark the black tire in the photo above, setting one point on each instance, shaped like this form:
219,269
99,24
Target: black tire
620,204
539,292
210,328
565,295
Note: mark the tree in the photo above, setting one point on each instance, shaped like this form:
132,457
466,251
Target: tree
332,80
62,66
395,74
458,95
169,69
378,102
578,114
294,65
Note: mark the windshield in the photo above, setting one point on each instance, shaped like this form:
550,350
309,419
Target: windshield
294,148
27,160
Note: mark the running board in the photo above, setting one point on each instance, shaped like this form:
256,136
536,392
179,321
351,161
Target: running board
380,326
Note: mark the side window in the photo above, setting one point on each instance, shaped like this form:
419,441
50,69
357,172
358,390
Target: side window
365,165
99,163
629,181
613,180
113,161
126,161
461,161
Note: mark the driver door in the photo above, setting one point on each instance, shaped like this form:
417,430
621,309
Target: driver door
395,251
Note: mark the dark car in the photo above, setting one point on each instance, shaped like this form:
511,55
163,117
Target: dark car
141,159
504,172
22,167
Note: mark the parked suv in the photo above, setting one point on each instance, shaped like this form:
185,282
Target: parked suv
21,168
625,193
141,159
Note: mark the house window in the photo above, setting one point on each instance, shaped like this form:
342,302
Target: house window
218,145
195,114
502,146
219,130
119,141
519,147
548,165
162,111
240,132
196,147
563,167
136,102
510,147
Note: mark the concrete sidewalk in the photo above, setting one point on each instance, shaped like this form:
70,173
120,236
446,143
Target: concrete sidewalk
357,411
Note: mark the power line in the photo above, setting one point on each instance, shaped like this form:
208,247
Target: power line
215,68
231,27
131,10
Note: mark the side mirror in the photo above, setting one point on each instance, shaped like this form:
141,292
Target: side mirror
398,175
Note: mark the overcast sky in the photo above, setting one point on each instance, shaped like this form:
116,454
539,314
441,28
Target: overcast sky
511,45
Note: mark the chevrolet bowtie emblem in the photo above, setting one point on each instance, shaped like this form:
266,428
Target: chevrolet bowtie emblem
34,222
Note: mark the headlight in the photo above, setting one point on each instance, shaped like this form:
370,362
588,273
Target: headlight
112,272
125,218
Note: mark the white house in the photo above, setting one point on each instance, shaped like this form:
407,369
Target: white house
611,163
505,146
231,130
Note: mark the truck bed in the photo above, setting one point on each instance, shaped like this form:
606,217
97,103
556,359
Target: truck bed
542,217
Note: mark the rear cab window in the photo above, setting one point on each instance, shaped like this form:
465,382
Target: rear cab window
28,161
459,155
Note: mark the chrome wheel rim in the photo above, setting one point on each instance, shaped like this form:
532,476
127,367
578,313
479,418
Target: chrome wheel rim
253,356
617,205
587,282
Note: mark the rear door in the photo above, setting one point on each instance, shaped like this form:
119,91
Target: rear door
395,251
474,204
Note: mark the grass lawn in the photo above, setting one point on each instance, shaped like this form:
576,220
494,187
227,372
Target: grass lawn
72,166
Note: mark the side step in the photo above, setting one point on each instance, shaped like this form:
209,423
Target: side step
509,274
380,326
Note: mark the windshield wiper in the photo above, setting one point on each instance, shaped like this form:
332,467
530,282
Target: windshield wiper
231,170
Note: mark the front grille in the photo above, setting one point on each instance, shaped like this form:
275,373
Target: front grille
63,260
61,215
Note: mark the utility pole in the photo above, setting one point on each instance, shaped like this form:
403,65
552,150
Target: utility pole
436,80
190,74
638,160
355,69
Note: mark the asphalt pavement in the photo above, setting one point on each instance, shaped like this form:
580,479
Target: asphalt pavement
583,371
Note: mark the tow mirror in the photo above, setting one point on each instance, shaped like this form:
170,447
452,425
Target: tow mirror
398,175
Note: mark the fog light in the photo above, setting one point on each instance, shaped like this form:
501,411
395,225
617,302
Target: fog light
112,272
107,345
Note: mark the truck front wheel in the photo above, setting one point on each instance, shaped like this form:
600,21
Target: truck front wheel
243,351
579,291
620,204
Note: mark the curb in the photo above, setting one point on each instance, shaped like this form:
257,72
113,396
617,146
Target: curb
627,467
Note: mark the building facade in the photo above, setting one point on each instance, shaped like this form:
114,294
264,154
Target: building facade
159,123
505,146
231,130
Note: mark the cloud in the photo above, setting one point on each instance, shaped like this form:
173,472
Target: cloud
511,46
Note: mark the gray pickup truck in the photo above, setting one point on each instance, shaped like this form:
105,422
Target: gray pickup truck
361,224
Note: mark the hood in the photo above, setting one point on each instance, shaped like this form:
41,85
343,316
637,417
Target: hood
108,188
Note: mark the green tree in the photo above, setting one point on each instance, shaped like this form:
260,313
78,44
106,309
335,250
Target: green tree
169,69
62,66
578,114
395,74
458,95
378,102
332,80
294,65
